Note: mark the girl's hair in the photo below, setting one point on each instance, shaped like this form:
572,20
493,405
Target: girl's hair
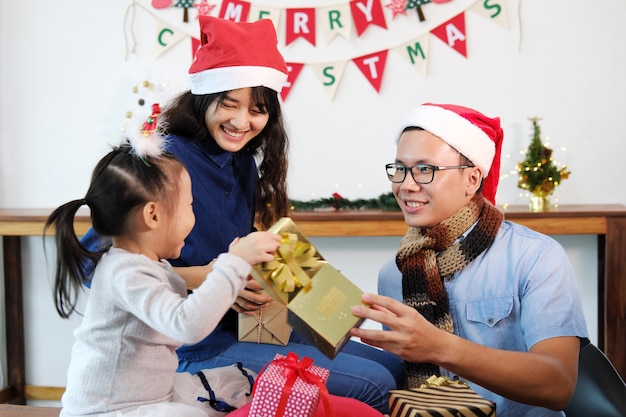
121,183
185,116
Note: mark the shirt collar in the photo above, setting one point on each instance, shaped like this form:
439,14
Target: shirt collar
216,154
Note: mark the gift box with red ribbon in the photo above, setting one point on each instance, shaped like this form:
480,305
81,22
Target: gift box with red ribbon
290,387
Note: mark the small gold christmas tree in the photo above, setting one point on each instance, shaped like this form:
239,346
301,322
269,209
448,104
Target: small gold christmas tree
538,172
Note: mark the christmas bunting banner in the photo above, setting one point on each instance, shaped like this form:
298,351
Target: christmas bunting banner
301,26
452,33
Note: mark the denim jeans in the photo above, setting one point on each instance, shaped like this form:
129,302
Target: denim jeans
358,371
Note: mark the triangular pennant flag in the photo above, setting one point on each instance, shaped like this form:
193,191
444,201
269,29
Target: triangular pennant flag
263,12
300,24
452,33
416,52
493,10
235,10
335,20
294,70
330,75
366,13
373,67
166,37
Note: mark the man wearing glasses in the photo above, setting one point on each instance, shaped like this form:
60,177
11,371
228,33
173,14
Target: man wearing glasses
469,295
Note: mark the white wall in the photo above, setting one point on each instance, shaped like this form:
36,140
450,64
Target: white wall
65,86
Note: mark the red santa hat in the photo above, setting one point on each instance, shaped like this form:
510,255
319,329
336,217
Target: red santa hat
236,55
476,136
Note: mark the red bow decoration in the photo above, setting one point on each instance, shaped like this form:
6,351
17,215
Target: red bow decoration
294,369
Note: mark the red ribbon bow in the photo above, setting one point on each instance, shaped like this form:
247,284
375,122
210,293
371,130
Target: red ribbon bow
294,369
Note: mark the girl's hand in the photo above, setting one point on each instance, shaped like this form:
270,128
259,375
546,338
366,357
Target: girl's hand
255,248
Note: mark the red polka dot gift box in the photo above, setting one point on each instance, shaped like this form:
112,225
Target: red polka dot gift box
290,387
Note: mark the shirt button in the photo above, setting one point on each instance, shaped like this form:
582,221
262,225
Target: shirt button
490,320
227,194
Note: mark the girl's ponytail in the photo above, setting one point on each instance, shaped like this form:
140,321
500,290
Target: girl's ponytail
71,258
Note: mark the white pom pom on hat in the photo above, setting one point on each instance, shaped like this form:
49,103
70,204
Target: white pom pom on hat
476,136
236,55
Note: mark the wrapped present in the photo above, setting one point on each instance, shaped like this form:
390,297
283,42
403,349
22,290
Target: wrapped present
290,387
269,326
440,396
318,297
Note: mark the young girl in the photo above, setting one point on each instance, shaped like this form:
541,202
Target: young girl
138,311
230,121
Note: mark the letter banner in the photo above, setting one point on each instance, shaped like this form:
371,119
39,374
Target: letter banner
335,21
300,24
416,53
166,37
493,10
294,70
366,13
330,75
373,67
452,33
264,12
331,21
235,10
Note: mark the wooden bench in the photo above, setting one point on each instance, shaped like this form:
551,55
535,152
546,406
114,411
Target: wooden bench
12,410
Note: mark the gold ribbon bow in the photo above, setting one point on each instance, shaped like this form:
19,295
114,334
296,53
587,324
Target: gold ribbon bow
287,269
438,381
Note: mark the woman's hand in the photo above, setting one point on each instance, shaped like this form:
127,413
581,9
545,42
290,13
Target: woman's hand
251,298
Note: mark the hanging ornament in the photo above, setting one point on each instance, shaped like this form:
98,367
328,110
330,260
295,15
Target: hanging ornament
204,8
417,5
397,7
161,4
186,5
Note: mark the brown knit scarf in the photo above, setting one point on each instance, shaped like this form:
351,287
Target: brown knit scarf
426,256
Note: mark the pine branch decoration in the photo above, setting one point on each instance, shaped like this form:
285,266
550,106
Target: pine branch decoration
385,202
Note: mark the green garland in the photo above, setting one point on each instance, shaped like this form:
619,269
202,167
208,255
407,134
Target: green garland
385,202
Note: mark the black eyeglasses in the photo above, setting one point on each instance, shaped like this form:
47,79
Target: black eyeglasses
421,173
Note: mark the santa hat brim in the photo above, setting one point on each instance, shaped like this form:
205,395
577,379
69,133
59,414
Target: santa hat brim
216,80
458,132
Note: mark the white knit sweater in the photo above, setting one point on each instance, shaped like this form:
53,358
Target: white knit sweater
137,314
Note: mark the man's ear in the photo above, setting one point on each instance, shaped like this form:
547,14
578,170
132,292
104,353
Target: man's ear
151,214
474,179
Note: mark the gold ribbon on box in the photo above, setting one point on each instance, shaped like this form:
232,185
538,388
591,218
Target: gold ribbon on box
440,381
286,273
292,257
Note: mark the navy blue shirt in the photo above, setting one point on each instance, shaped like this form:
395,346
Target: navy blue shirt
223,187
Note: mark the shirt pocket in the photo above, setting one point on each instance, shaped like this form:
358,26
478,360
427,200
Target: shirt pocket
489,311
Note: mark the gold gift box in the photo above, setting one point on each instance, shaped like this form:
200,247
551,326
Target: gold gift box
319,302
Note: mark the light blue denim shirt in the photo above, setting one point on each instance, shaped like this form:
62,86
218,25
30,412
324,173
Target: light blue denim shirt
522,290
